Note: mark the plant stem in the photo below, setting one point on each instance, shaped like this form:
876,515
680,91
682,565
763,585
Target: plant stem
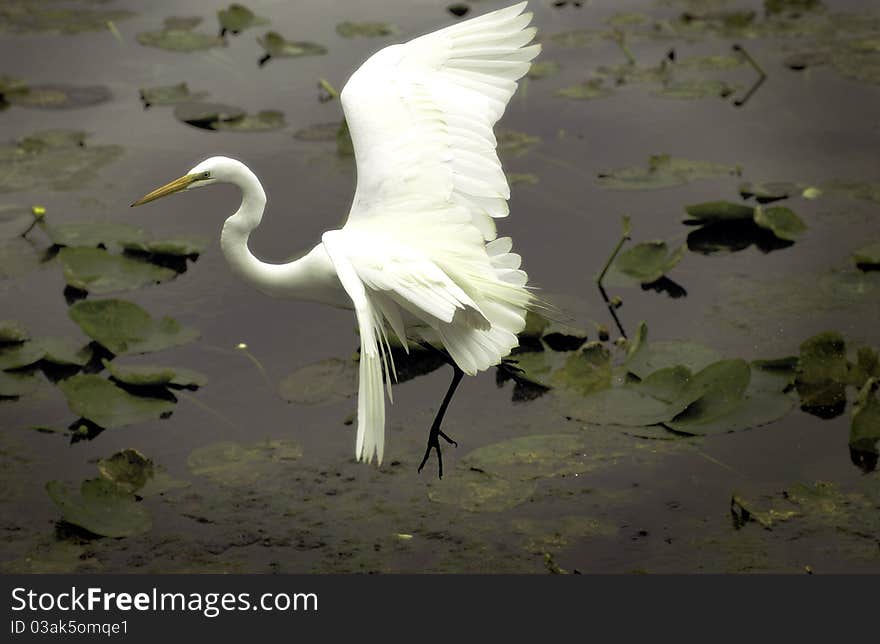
627,229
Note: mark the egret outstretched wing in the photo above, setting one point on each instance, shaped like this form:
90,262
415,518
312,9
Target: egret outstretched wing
421,115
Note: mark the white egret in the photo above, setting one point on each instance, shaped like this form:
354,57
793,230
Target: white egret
418,255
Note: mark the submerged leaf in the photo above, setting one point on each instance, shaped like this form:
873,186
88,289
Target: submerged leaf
128,469
125,328
231,463
478,491
108,406
325,381
366,29
101,507
531,457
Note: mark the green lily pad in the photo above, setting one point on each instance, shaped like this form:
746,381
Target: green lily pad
716,211
663,171
264,121
129,469
667,384
101,507
325,381
12,331
478,491
822,373
59,351
781,221
60,97
20,355
585,371
179,35
868,257
53,159
169,95
768,192
543,69
714,391
276,46
92,234
867,366
125,328
695,88
174,247
99,272
13,385
25,16
108,406
755,409
365,29
236,18
593,88
231,463
206,115
645,358
153,376
864,435
649,261
532,457
513,144
627,406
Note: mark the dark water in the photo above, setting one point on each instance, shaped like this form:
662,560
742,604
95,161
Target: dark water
630,504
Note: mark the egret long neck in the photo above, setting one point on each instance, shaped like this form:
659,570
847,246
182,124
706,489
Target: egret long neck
310,278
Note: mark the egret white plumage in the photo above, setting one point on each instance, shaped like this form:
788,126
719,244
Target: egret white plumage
419,255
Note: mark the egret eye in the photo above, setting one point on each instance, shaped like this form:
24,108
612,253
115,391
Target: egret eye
206,175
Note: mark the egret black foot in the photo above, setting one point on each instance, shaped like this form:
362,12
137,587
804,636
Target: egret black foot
434,443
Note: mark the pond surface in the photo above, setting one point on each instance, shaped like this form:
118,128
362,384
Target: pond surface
241,479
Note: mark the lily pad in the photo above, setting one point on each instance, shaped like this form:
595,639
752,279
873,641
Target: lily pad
21,355
868,257
478,491
26,16
325,381
365,29
206,115
108,406
768,192
12,331
593,88
99,272
153,376
276,46
13,385
179,35
264,121
543,69
169,95
864,435
236,18
59,351
232,463
695,88
129,469
101,507
53,159
663,171
92,234
513,144
716,211
585,371
646,358
649,261
782,221
60,97
174,247
125,328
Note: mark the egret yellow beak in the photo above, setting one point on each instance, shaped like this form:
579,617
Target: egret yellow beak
168,189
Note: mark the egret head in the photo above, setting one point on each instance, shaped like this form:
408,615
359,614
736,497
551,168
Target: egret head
212,170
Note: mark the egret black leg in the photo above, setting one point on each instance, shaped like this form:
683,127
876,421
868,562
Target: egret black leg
436,433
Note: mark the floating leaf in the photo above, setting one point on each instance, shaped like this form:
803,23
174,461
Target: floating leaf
864,435
169,95
91,234
236,18
108,406
822,373
12,331
178,35
868,257
543,69
97,271
60,97
21,355
277,47
584,372
691,89
782,221
153,376
593,88
767,192
264,121
715,211
646,358
53,159
663,171
365,29
174,247
513,144
101,507
129,469
63,351
325,381
24,16
649,261
13,385
206,115
125,328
